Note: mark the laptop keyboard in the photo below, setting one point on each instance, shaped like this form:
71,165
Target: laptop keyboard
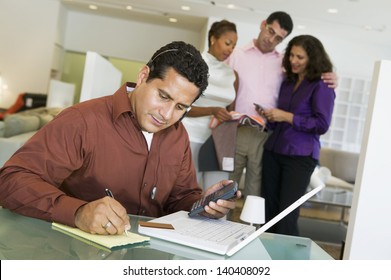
214,230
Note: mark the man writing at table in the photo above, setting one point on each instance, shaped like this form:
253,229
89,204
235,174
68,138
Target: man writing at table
131,142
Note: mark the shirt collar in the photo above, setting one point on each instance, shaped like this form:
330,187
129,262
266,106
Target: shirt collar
121,101
251,46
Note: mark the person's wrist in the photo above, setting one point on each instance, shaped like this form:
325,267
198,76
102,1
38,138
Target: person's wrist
78,214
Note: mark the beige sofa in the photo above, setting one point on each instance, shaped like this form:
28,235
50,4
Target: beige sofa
17,128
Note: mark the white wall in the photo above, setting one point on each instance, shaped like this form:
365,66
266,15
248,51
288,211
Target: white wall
353,57
34,34
351,51
34,37
121,38
58,55
27,32
350,56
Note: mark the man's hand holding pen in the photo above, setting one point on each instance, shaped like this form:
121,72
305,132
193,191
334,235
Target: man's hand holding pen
103,216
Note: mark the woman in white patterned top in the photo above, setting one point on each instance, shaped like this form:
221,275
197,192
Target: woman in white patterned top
219,96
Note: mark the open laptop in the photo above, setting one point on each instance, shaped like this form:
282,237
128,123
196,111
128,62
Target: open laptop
217,236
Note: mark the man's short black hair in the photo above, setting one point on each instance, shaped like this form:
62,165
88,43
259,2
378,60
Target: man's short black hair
283,19
184,59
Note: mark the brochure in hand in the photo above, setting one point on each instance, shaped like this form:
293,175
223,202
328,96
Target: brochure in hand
255,121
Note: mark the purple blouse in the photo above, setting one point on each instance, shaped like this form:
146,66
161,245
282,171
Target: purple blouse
312,105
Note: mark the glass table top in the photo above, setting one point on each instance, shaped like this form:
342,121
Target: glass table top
334,196
24,238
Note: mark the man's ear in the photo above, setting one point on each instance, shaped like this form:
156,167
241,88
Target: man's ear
184,115
143,75
263,24
212,40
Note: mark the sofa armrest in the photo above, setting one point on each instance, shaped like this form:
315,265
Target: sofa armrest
8,146
339,183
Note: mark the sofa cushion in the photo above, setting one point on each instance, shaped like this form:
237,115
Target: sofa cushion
44,119
17,124
29,120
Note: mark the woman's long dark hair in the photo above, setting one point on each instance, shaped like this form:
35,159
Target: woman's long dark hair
318,59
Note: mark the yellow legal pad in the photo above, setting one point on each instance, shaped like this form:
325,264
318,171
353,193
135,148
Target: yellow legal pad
108,241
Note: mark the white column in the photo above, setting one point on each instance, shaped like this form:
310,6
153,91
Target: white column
369,231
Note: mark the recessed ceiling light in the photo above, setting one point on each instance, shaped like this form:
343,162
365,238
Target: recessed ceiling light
367,27
185,8
172,19
129,7
300,26
93,7
332,11
374,28
231,6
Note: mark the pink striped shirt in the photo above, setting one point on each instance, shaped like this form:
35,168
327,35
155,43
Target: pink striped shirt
260,77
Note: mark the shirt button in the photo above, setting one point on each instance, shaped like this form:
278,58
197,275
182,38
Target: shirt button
143,212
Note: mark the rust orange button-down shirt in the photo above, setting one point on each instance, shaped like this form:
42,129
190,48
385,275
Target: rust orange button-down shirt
96,145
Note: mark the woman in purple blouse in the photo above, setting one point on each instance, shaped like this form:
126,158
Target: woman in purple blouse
303,113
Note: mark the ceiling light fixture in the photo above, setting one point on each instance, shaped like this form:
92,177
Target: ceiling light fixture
367,27
222,5
332,11
372,28
171,19
114,5
185,8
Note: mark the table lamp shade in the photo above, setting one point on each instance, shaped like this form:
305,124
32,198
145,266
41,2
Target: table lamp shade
319,176
253,211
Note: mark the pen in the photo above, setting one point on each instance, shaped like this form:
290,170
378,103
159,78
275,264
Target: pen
153,193
109,193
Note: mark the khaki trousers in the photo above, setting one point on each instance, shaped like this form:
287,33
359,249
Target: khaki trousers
249,150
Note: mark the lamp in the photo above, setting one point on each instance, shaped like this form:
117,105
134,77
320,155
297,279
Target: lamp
319,176
253,211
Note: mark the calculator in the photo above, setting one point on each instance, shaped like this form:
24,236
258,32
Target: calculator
227,192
